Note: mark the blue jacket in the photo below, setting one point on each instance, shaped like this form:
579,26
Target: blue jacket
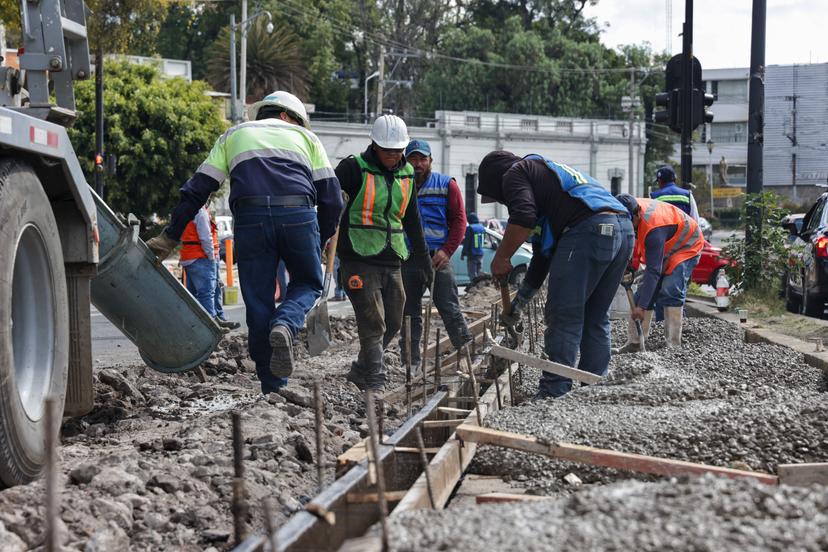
473,243
580,186
432,200
674,195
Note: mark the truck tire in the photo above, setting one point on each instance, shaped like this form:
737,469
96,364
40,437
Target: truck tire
34,321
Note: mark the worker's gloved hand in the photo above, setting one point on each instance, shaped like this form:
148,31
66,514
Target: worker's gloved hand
427,276
162,245
522,298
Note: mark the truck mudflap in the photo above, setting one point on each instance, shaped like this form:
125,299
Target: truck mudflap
135,292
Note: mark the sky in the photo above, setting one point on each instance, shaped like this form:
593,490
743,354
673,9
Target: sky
721,30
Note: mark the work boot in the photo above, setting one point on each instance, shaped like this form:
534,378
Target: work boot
281,359
356,376
633,344
227,324
672,326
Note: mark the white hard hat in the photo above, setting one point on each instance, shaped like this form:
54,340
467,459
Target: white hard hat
390,132
286,100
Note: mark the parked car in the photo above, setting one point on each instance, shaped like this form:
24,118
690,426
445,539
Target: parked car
806,282
710,263
520,260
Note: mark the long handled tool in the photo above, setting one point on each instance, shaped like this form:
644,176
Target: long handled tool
317,321
512,339
638,327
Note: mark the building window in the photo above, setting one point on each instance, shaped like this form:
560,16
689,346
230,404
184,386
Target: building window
473,121
730,91
564,126
529,125
728,133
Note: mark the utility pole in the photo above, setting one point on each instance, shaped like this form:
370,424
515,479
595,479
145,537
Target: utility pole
99,118
756,106
687,104
792,135
243,59
380,80
632,185
234,94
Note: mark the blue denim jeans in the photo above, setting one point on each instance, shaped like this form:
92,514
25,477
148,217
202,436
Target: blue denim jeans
672,288
475,265
263,237
201,283
586,270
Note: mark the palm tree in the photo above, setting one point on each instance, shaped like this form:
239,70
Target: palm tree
274,61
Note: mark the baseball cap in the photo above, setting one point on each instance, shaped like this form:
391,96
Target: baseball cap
418,146
666,173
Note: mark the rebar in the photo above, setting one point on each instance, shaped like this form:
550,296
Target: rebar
239,506
317,401
374,443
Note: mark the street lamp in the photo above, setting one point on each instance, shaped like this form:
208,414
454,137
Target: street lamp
369,77
710,145
235,116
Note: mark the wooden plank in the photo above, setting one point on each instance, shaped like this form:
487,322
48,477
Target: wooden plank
545,365
372,543
415,450
372,498
451,410
429,424
602,457
496,498
803,475
448,465
353,455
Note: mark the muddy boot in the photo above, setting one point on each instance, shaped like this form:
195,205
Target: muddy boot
356,375
672,326
281,359
633,344
227,324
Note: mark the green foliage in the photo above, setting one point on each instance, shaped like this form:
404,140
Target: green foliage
159,129
759,268
120,26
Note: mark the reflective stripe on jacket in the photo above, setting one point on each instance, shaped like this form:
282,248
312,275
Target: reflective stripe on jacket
478,234
375,216
580,186
675,196
685,244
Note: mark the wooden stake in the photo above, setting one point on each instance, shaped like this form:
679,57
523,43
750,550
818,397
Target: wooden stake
317,401
511,385
408,366
602,457
239,506
424,462
272,539
52,540
475,388
374,442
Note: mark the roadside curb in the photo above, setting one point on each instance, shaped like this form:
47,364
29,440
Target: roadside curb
755,333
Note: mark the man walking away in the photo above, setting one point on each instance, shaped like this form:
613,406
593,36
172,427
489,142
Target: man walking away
278,172
473,246
670,192
198,258
669,242
585,242
443,216
381,211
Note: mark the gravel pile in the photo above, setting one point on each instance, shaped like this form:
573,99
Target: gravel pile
703,514
717,401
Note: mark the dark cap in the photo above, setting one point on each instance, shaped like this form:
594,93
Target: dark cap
418,146
666,174
629,202
490,175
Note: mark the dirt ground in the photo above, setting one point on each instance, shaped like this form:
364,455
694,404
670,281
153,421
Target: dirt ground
151,467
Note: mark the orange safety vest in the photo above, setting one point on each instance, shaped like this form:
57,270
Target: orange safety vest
685,244
191,245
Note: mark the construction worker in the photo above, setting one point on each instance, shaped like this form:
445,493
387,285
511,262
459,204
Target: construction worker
669,243
198,258
584,243
218,301
674,194
278,172
473,246
381,212
443,216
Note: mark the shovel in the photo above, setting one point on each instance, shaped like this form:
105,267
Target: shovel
317,321
631,299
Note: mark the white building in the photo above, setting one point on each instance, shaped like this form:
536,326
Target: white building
795,138
460,140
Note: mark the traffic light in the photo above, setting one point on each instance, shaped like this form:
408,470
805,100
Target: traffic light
670,101
701,102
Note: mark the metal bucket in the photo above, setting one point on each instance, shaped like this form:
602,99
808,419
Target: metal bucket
135,292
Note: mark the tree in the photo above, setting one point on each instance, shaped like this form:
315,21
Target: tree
116,26
274,61
159,129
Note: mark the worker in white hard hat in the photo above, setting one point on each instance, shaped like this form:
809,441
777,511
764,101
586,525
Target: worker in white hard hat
381,212
286,203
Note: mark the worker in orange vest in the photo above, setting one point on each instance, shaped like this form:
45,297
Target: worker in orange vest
669,243
198,257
